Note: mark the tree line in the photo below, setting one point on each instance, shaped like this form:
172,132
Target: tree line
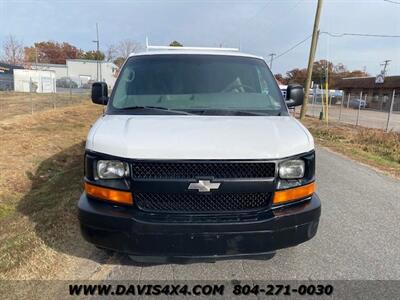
51,52
323,71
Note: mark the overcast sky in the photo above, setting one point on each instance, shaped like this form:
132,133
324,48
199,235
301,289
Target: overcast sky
259,27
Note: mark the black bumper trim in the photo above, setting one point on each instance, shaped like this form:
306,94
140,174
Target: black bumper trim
127,230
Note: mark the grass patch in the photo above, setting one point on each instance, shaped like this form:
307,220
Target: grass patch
5,210
38,199
371,146
18,103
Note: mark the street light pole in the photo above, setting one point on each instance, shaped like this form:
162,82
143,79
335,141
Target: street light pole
98,50
313,49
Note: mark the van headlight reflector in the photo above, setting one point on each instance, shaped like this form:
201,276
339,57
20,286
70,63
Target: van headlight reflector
112,169
292,169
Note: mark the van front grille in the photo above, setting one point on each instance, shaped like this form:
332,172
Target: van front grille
198,169
199,203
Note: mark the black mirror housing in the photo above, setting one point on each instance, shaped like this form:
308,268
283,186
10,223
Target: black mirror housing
100,93
294,95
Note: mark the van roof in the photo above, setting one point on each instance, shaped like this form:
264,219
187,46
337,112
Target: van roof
206,51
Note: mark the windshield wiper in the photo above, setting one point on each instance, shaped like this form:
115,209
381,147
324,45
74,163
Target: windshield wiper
159,108
229,112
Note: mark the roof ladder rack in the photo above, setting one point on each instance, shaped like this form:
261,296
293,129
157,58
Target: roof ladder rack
151,47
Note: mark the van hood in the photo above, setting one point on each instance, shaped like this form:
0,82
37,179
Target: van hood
199,137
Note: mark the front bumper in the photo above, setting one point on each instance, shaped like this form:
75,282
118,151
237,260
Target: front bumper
130,231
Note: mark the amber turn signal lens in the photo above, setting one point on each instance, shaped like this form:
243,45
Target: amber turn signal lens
108,194
294,194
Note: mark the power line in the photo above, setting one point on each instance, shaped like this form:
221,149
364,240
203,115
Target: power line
287,13
336,35
359,34
271,20
266,4
392,1
249,19
293,47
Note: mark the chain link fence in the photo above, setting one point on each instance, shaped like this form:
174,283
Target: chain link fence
375,111
32,101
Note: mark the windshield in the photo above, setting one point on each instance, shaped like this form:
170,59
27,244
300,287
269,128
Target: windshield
210,84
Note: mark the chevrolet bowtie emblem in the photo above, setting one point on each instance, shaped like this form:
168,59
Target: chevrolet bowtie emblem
204,186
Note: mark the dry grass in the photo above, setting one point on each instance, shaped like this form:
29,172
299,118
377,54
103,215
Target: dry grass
16,103
371,146
40,182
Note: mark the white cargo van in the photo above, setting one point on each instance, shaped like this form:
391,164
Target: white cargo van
196,155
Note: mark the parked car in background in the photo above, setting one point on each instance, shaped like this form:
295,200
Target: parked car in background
66,82
356,103
88,85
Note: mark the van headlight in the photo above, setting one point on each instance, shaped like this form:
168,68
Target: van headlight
112,169
292,169
296,179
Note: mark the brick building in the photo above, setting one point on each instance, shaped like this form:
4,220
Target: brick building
377,91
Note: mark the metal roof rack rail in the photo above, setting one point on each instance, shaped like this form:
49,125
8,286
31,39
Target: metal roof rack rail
153,47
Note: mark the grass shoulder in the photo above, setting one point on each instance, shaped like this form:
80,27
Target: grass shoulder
38,198
370,146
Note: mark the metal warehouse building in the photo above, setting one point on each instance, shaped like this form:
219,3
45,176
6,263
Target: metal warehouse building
34,81
83,71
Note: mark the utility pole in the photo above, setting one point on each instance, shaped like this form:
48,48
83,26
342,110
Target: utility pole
313,49
385,64
98,50
36,57
271,59
390,111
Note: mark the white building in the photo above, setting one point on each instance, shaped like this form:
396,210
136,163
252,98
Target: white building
35,81
83,71
60,70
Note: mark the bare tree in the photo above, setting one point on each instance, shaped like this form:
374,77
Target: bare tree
127,47
13,51
111,53
120,52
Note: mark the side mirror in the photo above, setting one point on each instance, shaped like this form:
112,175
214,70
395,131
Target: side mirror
100,93
294,95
